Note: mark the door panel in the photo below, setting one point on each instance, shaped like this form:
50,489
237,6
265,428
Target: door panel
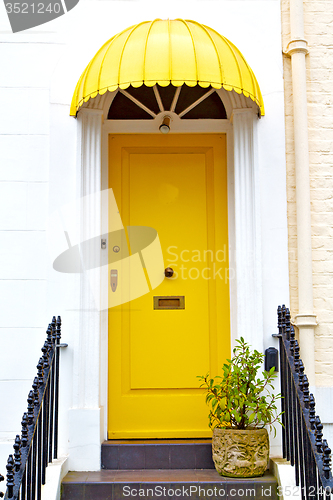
176,185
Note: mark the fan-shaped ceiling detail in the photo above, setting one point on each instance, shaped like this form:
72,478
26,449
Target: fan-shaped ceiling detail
145,103
175,52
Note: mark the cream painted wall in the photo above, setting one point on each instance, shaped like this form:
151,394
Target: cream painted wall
38,173
318,19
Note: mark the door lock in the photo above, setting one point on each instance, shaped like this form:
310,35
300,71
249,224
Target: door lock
168,272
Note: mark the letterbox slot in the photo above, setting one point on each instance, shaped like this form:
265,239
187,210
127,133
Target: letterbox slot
169,302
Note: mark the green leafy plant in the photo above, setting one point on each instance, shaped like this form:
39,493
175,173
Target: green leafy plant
240,399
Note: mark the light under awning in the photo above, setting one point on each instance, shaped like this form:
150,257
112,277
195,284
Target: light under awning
163,52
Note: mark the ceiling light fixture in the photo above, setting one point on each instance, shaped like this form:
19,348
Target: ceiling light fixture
165,125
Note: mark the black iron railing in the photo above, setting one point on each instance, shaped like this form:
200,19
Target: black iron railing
302,437
38,443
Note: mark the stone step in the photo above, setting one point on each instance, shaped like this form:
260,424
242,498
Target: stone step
166,484
157,454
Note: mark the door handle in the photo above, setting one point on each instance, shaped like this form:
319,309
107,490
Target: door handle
168,272
113,279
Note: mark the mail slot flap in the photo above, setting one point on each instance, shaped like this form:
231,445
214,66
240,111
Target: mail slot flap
169,302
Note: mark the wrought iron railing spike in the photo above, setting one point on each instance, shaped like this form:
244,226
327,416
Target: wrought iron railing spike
49,338
319,434
35,391
10,476
306,392
30,407
40,371
279,314
17,453
312,412
326,459
287,316
283,318
48,331
300,374
296,356
287,331
24,432
54,332
58,329
292,340
44,350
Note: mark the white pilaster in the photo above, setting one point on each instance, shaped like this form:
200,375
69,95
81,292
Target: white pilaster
85,418
249,314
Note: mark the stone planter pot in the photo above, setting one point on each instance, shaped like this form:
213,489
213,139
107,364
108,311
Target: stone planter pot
240,453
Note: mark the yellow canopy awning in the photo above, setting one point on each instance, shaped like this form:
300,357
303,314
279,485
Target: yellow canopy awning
171,51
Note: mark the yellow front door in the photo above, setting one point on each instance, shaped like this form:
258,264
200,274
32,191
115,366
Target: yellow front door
176,184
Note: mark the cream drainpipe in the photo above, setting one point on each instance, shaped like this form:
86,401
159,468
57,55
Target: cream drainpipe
305,320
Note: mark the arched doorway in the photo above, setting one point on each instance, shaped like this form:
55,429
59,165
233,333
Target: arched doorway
237,122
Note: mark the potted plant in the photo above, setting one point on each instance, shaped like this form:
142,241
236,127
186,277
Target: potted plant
241,405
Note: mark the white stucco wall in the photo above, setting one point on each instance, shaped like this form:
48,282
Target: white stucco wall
38,172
